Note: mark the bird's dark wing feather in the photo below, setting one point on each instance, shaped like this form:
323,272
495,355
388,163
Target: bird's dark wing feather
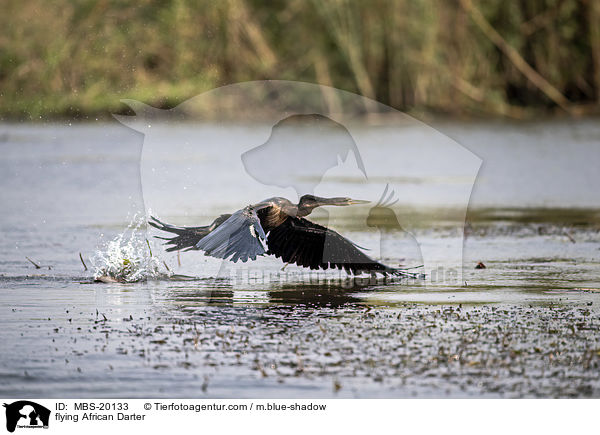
239,237
307,244
186,238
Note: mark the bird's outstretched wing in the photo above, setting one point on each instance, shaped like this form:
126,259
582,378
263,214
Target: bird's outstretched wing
307,244
240,237
185,238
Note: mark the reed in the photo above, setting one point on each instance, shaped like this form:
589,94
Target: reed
458,57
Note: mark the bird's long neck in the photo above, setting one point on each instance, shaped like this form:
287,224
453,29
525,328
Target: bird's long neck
307,204
303,210
288,208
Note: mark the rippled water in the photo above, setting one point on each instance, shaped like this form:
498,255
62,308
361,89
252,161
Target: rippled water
526,325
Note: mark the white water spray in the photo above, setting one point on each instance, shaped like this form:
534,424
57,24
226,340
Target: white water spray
128,257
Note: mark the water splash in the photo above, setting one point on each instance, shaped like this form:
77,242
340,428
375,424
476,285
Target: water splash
128,257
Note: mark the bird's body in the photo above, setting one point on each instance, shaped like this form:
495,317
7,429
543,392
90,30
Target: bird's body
278,227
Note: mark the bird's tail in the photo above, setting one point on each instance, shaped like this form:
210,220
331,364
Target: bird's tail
186,238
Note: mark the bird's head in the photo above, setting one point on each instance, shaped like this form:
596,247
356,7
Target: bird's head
308,203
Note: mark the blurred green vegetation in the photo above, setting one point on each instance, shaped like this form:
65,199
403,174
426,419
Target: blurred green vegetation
515,58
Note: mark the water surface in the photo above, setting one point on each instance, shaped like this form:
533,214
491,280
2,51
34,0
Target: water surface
525,326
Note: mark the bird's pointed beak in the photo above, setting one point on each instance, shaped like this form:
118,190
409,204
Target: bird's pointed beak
358,201
344,201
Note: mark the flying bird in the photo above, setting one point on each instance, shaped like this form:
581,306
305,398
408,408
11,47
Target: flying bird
278,227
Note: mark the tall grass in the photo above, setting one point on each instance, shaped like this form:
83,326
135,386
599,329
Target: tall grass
494,57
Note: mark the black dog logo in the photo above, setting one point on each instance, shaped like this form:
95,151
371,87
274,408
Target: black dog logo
27,414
